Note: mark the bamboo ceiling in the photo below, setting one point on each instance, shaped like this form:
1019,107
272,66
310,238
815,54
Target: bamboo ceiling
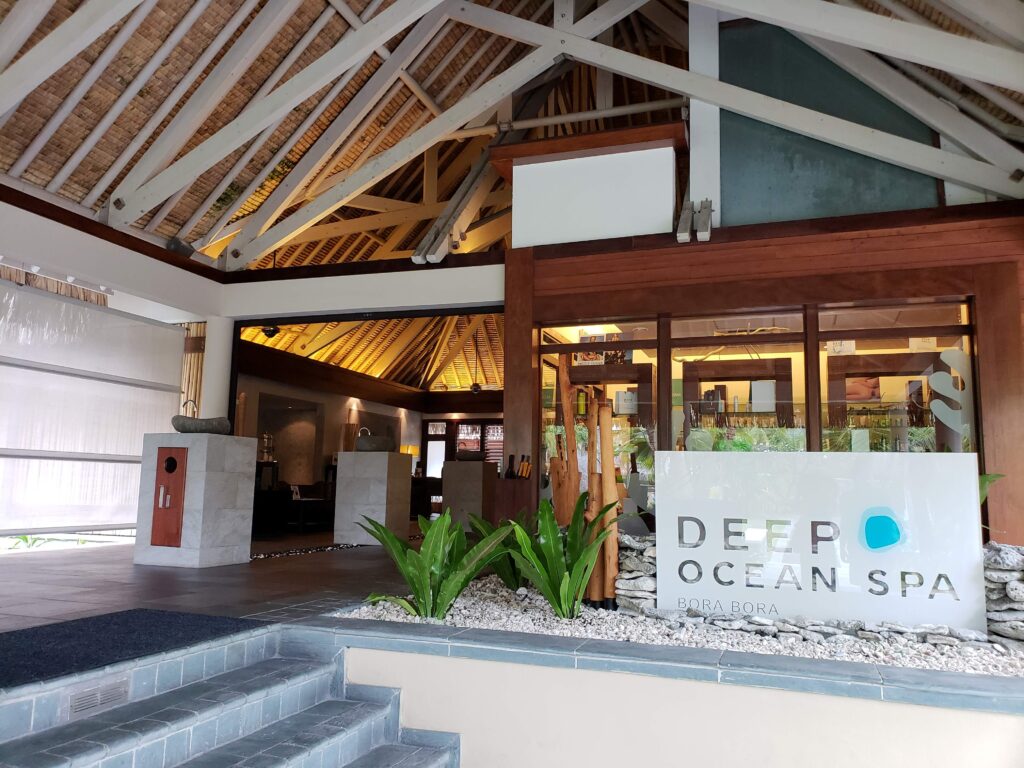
434,353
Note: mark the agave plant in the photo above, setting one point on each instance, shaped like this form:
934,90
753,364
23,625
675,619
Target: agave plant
559,563
441,569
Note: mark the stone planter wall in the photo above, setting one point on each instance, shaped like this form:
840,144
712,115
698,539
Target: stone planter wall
1004,591
636,593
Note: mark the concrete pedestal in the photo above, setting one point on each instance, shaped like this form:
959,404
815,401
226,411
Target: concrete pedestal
467,488
377,485
219,483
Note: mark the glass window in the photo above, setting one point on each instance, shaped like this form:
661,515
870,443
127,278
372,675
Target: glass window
905,394
437,428
738,397
739,325
468,440
435,457
903,316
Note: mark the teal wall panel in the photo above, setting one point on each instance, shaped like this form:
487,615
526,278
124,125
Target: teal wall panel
770,174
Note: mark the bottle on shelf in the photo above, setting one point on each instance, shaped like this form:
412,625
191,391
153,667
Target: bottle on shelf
523,466
510,469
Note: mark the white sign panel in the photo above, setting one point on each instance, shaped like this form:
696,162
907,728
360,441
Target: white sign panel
877,536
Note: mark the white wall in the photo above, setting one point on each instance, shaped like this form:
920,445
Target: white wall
160,291
515,715
615,194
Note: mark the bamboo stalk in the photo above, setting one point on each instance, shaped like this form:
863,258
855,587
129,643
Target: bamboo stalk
609,492
595,587
564,515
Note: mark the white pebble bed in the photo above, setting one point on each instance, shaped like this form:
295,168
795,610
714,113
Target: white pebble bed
488,604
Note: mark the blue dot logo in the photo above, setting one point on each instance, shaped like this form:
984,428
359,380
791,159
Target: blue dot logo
880,529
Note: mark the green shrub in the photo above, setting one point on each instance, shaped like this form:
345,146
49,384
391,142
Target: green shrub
559,563
504,566
441,569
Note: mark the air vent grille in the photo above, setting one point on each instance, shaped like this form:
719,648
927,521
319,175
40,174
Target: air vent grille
91,700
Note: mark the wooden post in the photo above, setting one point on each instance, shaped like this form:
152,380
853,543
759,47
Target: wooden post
609,493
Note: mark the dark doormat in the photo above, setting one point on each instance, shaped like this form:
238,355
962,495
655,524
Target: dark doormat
54,650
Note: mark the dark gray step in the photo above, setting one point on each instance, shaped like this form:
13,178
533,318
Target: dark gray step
333,733
403,756
167,729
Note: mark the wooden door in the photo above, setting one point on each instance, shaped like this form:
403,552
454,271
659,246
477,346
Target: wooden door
169,497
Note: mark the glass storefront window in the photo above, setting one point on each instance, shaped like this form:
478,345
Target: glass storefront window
738,397
920,315
760,324
901,394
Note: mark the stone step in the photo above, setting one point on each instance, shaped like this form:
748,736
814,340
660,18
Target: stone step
403,756
168,729
332,733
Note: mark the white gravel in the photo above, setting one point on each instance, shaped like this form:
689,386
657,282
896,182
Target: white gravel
488,604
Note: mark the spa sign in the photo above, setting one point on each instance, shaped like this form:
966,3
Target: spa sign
871,536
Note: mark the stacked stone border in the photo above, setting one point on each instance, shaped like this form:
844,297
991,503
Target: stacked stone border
636,594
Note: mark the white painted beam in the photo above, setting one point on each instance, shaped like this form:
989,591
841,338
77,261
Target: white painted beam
565,13
705,118
485,97
352,49
59,47
223,36
817,125
342,126
129,93
243,160
128,201
1004,18
17,27
912,42
69,102
937,114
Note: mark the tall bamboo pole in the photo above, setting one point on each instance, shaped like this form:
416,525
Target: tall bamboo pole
610,493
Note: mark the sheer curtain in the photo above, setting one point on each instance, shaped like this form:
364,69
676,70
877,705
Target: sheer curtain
79,387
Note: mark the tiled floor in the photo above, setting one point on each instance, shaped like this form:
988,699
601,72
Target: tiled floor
45,587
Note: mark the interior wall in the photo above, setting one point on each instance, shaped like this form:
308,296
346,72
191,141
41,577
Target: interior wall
298,445
771,174
335,409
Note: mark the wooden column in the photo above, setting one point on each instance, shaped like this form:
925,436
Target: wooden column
999,383
812,380
522,376
664,397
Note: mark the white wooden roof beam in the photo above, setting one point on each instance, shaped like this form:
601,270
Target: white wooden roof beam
994,95
808,122
128,203
342,126
243,160
485,97
156,120
59,47
863,29
17,27
934,112
1004,18
125,97
351,50
69,102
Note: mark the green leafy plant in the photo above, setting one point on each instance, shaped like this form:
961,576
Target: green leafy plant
559,563
441,569
504,566
985,483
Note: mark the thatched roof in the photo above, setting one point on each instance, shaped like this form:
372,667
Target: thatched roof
126,109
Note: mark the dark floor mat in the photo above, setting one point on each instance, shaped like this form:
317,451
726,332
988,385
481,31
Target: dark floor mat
54,650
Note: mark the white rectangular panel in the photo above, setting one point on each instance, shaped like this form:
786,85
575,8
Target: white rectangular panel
46,329
877,537
593,198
